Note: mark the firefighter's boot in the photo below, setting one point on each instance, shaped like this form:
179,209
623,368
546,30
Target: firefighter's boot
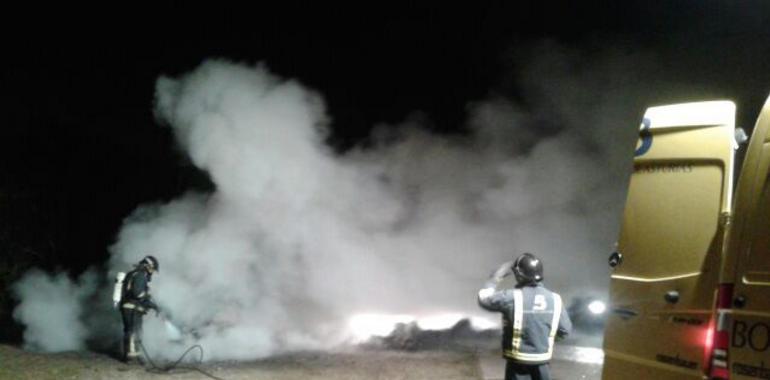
131,350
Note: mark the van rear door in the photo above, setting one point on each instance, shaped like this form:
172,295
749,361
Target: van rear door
662,292
749,255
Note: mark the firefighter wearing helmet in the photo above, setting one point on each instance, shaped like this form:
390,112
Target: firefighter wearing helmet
135,303
533,317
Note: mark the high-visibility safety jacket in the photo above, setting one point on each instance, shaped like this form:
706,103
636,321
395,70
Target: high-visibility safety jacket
136,291
532,318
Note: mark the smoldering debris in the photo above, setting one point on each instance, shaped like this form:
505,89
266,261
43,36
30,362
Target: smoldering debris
410,337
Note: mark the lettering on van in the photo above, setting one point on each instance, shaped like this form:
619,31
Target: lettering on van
670,168
751,371
756,336
677,361
687,321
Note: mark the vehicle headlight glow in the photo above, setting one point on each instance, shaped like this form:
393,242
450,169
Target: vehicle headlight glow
597,307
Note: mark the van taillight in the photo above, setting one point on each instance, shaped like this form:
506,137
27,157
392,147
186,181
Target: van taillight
717,338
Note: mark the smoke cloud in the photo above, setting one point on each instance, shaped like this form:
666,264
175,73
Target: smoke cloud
52,308
296,239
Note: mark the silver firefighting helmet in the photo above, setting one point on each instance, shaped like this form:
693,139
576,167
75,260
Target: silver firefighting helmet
528,269
151,262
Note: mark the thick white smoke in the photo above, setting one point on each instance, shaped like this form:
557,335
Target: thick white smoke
52,308
296,239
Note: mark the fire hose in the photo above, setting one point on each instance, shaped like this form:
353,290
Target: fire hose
154,368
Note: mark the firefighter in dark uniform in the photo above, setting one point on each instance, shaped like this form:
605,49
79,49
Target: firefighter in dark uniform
533,317
135,303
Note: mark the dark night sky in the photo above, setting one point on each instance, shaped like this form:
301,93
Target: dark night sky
79,148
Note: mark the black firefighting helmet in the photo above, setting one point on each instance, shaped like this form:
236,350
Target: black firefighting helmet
528,269
151,262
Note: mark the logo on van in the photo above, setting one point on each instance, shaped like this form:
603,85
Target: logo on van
646,136
754,335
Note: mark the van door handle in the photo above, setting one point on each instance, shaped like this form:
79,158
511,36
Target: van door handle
671,296
625,313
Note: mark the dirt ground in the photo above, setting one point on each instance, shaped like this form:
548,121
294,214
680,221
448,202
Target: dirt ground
350,364
408,353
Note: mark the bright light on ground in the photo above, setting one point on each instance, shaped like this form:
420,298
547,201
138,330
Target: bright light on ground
439,322
365,326
597,307
588,355
482,323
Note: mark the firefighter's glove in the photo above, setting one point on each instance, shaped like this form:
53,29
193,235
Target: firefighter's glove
504,270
